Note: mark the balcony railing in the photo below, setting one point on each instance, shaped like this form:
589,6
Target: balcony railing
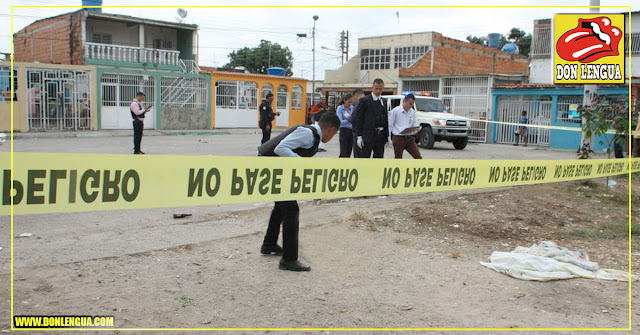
127,54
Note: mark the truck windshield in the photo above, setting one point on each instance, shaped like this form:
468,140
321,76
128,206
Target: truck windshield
429,105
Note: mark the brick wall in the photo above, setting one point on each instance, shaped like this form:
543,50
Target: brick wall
453,57
55,40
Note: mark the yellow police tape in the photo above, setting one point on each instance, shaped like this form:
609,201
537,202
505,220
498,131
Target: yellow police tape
542,126
55,183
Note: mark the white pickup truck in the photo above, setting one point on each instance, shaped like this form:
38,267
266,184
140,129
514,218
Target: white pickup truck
437,124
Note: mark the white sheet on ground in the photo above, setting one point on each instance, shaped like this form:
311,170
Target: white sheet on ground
547,261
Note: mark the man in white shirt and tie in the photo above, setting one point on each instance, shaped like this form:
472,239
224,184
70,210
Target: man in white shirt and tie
401,121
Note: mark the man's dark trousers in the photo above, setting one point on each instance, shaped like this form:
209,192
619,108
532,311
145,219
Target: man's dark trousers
138,125
357,152
377,149
346,142
266,134
286,213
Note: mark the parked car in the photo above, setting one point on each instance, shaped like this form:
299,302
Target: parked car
437,123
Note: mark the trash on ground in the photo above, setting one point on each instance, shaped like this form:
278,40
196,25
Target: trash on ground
181,215
612,183
25,235
421,252
547,261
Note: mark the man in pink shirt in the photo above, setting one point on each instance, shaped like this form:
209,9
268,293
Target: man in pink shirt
137,113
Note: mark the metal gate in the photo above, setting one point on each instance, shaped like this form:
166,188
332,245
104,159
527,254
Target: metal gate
118,91
468,97
431,86
58,99
538,112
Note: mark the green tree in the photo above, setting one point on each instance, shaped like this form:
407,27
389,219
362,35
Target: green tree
477,40
517,36
256,60
521,39
605,115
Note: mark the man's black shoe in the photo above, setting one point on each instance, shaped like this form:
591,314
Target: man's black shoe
322,150
269,249
138,153
293,266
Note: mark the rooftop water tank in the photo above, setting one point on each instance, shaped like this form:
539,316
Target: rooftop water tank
494,40
276,71
511,48
93,3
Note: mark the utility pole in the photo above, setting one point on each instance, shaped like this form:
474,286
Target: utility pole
587,100
313,82
344,46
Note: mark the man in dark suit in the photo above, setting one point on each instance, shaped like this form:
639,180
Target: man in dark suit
372,125
266,117
357,95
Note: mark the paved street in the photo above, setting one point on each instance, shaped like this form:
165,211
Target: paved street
244,143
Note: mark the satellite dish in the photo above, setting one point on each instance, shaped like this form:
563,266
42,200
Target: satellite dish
182,13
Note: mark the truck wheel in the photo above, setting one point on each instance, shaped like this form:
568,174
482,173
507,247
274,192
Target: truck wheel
425,138
460,143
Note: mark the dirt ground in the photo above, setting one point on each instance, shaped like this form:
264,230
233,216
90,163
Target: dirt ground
397,262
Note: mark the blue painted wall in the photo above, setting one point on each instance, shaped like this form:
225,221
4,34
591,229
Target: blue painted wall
565,139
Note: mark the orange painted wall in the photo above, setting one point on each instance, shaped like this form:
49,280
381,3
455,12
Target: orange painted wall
296,116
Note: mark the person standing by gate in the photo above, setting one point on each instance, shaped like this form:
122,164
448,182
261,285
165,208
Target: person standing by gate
137,113
298,141
522,130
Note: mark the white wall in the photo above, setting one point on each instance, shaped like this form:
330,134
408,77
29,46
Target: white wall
120,33
166,34
540,71
351,73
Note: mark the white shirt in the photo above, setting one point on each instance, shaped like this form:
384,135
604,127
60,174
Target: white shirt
399,120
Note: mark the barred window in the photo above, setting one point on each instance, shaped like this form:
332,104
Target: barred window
296,97
266,88
236,94
565,105
541,45
405,56
101,38
634,39
375,59
121,89
226,93
282,99
5,84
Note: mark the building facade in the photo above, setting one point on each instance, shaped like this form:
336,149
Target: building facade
48,97
130,55
237,96
548,104
459,72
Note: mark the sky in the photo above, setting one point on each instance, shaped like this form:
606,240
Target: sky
223,30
